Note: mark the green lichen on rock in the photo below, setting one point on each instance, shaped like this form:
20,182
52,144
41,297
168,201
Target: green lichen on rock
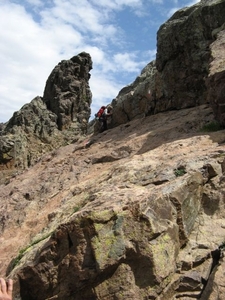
109,243
164,253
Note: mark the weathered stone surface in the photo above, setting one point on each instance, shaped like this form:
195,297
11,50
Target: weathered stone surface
133,101
44,124
133,226
136,212
188,71
27,135
215,286
183,55
190,47
67,92
216,77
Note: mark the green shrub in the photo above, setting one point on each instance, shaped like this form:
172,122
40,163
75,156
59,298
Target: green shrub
213,126
76,209
179,171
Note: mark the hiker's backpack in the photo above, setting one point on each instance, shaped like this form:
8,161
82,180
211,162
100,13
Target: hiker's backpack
100,112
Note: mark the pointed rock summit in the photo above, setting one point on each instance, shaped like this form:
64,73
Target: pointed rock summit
47,123
67,92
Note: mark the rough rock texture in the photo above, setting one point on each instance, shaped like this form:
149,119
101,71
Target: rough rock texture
190,47
216,79
136,212
188,71
67,91
47,123
134,100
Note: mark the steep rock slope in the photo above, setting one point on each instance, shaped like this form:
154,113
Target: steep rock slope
136,212
188,71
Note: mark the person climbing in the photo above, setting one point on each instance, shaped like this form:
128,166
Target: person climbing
104,116
100,112
6,289
107,117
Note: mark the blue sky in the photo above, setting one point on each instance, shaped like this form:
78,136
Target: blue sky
36,35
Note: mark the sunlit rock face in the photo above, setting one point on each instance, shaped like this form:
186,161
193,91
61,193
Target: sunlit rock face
137,213
215,81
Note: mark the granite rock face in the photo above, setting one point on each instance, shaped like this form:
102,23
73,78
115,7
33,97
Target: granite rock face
134,213
186,57
67,91
135,100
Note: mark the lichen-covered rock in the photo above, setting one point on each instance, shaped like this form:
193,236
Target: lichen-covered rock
138,211
114,221
142,236
215,287
183,55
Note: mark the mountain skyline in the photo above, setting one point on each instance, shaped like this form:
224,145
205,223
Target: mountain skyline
36,35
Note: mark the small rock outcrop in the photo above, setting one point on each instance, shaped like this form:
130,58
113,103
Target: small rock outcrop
44,124
67,91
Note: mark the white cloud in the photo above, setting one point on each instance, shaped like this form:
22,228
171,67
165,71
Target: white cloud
157,1
29,50
103,90
127,62
118,4
174,9
193,2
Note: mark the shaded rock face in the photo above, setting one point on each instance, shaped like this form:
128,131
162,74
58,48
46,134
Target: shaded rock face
133,215
67,91
25,136
186,46
59,118
135,100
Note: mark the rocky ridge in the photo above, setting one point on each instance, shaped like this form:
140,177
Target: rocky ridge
188,70
46,123
136,212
